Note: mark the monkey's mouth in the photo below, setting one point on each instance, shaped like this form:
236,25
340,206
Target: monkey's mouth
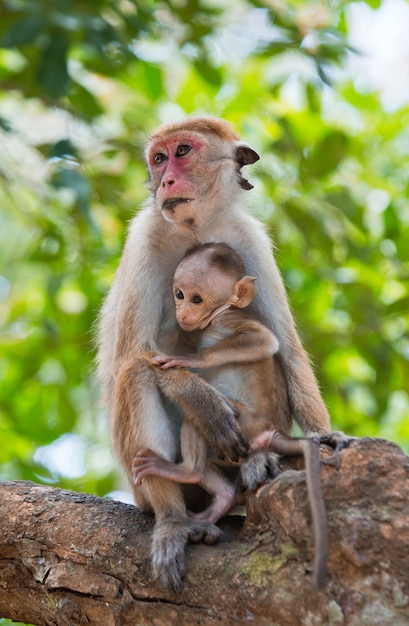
171,203
187,327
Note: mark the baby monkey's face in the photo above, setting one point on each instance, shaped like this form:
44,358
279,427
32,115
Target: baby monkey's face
200,292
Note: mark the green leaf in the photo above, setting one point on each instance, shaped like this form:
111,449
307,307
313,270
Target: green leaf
343,199
52,72
209,73
74,180
325,155
23,32
62,148
83,101
5,124
153,80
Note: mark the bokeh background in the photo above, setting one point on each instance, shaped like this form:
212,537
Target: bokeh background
319,89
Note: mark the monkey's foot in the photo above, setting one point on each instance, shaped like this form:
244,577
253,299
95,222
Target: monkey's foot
337,440
149,463
260,466
170,537
223,502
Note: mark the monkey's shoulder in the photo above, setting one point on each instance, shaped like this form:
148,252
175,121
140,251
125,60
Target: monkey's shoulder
229,323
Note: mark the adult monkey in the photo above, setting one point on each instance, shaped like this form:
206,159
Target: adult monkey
196,189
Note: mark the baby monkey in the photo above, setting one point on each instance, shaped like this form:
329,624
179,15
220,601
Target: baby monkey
235,354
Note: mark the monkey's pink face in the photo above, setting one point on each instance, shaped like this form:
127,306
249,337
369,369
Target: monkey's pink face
179,169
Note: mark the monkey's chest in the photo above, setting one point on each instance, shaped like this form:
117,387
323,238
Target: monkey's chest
236,381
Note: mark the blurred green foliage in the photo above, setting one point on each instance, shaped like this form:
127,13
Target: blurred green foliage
81,86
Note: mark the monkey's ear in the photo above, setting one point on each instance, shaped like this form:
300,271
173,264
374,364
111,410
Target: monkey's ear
243,292
245,155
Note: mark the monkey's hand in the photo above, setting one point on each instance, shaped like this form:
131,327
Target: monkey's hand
336,440
221,429
261,465
225,436
207,409
166,361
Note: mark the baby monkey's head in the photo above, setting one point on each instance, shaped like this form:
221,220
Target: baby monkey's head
210,279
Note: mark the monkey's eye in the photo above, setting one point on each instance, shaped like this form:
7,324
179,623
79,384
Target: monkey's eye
182,150
179,294
159,158
197,299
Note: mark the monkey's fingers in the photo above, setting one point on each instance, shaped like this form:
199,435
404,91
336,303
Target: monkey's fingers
337,440
160,359
234,452
191,361
149,468
145,463
258,468
203,531
167,361
177,362
138,476
170,537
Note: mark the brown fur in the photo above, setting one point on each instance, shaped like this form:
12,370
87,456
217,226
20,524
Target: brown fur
197,197
207,125
235,355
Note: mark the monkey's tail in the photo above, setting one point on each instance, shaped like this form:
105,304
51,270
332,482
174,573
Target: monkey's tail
169,540
318,512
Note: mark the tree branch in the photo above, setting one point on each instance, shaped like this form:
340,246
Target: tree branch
70,558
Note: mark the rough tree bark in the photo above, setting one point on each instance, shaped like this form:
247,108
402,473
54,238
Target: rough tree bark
69,558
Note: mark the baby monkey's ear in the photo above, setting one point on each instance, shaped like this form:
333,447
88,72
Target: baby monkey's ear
243,292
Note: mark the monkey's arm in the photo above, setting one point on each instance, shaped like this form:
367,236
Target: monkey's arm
247,341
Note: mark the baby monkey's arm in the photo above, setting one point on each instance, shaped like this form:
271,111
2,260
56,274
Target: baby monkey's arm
249,341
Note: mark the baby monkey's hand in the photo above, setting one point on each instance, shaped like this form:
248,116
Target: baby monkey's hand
166,361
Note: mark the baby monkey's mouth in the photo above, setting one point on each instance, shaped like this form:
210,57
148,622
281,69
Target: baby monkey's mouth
171,203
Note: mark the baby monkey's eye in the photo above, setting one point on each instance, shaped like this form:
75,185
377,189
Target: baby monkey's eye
197,299
179,294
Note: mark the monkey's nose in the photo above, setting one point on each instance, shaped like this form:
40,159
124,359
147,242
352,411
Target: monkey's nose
168,182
